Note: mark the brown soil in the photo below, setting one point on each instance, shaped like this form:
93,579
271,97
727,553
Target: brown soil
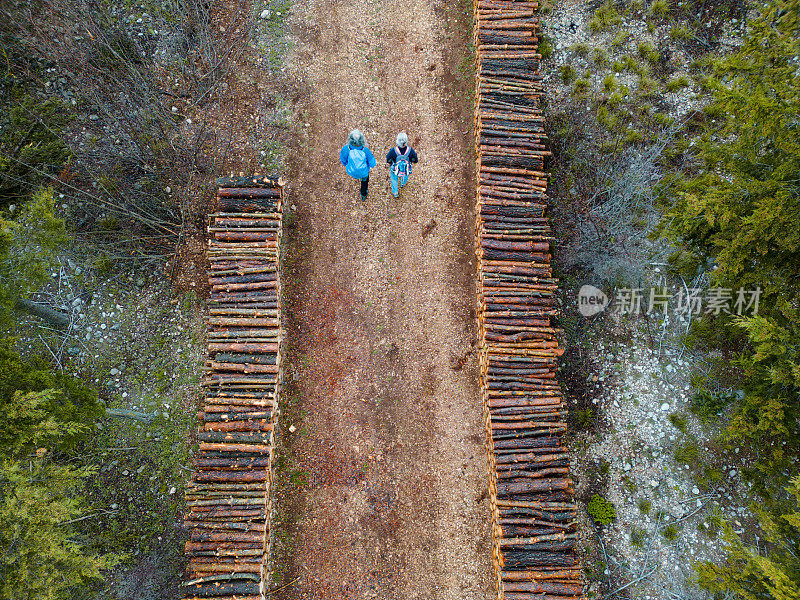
382,485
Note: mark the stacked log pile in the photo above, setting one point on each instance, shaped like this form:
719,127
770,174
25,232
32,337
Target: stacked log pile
534,531
228,500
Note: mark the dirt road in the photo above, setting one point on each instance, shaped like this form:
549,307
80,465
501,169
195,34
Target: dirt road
384,478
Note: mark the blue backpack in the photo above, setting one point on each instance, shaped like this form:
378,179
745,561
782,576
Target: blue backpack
402,166
357,165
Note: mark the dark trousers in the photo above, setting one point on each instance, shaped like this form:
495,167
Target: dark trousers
364,184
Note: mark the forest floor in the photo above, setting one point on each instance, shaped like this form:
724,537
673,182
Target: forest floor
381,466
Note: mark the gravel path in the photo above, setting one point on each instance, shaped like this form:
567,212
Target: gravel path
388,439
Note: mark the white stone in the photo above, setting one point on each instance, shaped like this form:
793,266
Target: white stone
292,428
114,371
695,490
653,483
665,407
265,13
172,490
627,466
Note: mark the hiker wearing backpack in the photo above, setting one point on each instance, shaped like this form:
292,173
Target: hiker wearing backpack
357,159
399,160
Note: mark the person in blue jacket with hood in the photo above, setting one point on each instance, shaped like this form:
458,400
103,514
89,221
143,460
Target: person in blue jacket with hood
358,159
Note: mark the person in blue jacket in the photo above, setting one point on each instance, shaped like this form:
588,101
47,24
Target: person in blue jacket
357,159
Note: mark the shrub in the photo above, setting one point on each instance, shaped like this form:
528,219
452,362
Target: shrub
568,74
545,46
670,533
687,452
620,39
645,506
659,9
581,87
673,85
709,405
581,50
30,146
600,58
601,510
679,421
604,18
638,537
679,32
648,52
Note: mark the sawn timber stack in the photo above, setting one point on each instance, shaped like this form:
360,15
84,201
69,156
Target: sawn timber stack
229,498
533,512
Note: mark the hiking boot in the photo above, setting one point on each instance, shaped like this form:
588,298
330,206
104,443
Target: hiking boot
363,197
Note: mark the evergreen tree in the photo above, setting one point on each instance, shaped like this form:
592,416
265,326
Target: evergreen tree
739,215
753,575
27,244
41,406
45,417
41,554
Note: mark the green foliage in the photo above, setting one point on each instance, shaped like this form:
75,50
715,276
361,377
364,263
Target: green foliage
42,408
45,414
600,58
580,88
645,506
604,18
752,574
677,83
634,66
739,212
687,452
568,74
710,477
708,406
609,83
545,46
679,32
26,248
648,52
584,418
41,555
581,50
638,537
659,9
30,146
679,421
620,39
670,533
711,526
299,478
601,510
